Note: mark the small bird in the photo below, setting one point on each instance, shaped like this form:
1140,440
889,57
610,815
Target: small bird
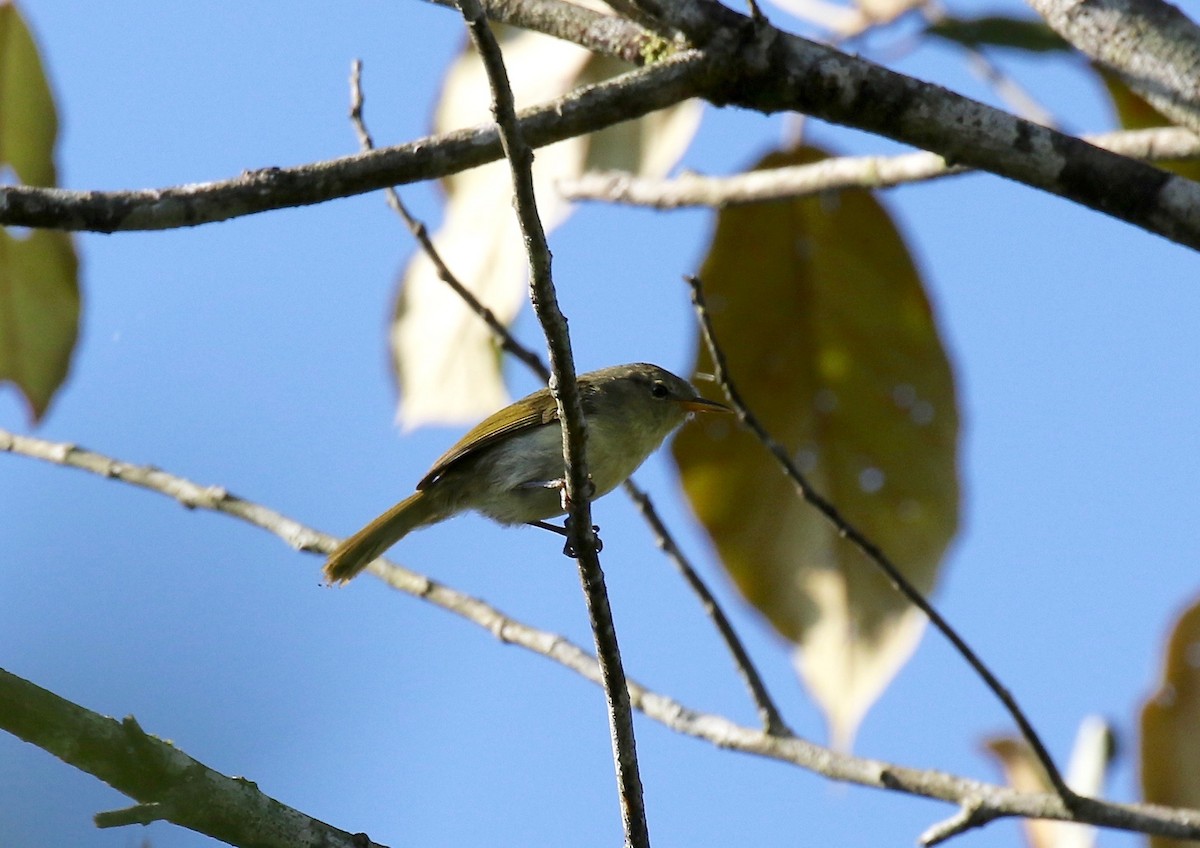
510,466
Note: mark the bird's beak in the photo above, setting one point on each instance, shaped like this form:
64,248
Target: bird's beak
704,405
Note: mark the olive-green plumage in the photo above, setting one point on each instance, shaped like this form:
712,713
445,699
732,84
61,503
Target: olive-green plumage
510,466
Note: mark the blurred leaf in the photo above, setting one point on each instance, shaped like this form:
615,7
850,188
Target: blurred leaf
841,20
885,11
1086,774
832,341
39,295
1170,743
1029,34
39,313
445,358
1134,113
28,123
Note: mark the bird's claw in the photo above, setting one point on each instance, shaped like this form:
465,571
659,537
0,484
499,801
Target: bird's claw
569,549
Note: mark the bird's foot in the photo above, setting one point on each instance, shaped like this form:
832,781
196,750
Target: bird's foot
565,530
569,549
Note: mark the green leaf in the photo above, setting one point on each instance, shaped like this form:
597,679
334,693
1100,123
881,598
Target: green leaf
39,313
28,123
1029,34
39,294
832,341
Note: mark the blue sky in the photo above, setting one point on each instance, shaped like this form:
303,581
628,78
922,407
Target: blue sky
251,354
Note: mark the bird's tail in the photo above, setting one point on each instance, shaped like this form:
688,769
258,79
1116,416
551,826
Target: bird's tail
361,549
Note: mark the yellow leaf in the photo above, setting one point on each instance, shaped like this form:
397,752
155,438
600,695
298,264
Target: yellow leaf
28,123
833,343
445,357
39,313
1170,744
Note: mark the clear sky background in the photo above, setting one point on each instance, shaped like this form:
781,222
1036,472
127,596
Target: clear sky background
251,354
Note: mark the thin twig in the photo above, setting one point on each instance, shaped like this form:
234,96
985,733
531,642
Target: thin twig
872,551
570,408
768,712
713,728
970,815
421,234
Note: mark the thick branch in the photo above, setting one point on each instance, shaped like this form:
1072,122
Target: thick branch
585,110
738,63
808,77
168,784
1151,44
606,34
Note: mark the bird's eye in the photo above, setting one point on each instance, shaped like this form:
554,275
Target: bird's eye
660,390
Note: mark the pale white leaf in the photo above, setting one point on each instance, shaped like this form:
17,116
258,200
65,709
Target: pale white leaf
445,357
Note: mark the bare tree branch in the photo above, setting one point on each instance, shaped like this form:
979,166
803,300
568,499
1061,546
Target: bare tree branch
585,110
735,62
803,76
168,784
997,801
872,551
690,189
565,389
768,712
1152,44
607,34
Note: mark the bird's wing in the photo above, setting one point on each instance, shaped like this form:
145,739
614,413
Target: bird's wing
497,426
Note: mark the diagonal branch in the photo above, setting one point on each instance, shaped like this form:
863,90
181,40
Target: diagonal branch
582,111
768,712
797,74
1152,44
168,784
872,551
735,61
996,801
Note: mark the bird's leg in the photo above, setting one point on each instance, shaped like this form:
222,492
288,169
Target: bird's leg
546,525
565,530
